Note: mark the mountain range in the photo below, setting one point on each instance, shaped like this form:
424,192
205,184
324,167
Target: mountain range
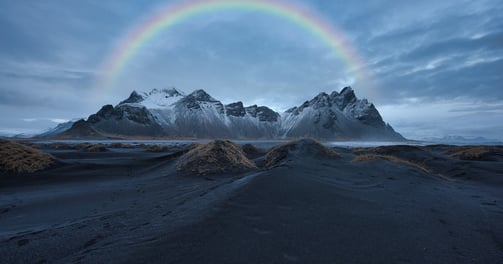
171,113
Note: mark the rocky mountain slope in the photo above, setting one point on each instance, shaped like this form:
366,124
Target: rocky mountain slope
171,113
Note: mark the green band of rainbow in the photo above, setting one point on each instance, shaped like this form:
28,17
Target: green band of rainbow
174,13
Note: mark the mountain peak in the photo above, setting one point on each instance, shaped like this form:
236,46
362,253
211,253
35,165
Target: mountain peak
133,98
321,100
201,95
344,98
347,90
170,92
235,109
263,113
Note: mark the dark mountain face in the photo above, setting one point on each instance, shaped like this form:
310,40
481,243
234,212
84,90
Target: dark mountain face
81,129
125,119
196,99
168,112
263,113
235,109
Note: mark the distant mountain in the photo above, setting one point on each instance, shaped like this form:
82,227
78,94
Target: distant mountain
60,128
6,135
169,112
18,135
462,140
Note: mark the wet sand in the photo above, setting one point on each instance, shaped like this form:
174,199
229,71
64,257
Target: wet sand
131,206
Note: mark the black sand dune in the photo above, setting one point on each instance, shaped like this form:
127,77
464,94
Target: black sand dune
128,205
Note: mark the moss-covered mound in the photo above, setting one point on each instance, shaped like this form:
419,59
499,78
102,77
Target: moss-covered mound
219,156
15,157
298,148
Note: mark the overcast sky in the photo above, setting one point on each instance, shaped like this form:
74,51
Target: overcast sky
436,65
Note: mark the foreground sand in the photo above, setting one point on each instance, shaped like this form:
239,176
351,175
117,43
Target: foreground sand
129,205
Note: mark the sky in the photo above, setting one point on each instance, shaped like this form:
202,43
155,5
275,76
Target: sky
435,67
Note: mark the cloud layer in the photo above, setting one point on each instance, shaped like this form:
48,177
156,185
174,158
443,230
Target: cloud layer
436,65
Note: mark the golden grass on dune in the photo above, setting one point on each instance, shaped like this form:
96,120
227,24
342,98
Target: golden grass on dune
96,148
302,147
60,145
390,158
475,152
156,148
218,156
15,157
91,147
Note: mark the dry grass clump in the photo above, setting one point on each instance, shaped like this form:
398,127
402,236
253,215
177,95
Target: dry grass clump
408,152
82,146
412,156
96,148
156,148
480,153
119,145
218,156
60,145
300,148
91,147
18,158
390,158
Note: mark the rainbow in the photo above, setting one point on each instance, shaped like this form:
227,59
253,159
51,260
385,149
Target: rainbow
172,14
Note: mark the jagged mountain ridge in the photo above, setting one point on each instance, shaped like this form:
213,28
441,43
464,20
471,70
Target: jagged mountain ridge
169,112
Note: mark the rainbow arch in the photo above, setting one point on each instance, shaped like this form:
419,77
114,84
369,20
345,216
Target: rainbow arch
172,14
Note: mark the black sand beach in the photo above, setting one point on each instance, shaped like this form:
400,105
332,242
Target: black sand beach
133,206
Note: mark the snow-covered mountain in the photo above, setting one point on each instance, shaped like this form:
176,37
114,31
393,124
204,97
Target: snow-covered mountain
60,128
339,115
169,112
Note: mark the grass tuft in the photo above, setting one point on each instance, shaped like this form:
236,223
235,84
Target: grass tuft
390,158
218,156
156,148
478,153
18,158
